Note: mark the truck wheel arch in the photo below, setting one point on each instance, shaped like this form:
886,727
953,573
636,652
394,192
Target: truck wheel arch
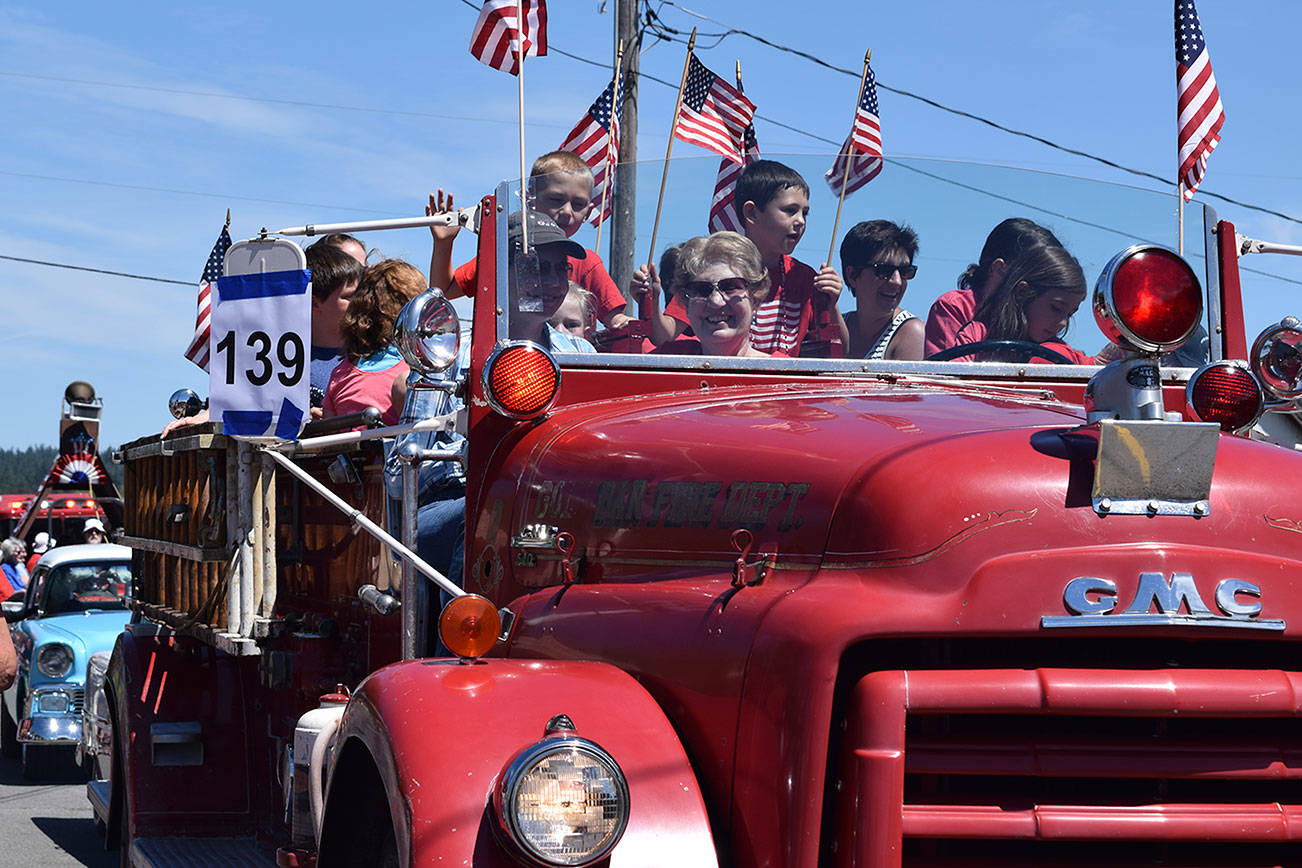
437,734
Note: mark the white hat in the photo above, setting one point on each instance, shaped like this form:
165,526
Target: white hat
42,542
92,524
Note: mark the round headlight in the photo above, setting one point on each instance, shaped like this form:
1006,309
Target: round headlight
563,801
54,660
428,333
1277,359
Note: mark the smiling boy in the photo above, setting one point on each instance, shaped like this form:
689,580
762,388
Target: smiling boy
560,187
774,205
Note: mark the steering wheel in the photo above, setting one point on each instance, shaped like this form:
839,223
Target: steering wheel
1028,349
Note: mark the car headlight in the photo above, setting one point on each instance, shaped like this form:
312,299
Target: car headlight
563,801
54,660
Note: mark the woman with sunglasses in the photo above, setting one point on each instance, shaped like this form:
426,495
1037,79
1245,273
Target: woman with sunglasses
877,261
721,280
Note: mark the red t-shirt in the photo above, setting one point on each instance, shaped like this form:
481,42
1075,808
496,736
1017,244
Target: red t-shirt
352,390
588,272
779,324
948,315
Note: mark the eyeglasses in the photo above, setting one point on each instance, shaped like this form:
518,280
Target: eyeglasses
534,268
731,288
884,270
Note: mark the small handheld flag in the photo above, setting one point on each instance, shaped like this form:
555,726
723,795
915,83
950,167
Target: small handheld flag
595,140
497,35
1201,114
213,269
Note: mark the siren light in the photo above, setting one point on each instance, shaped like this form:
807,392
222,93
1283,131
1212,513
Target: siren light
1277,359
469,626
521,380
1225,393
1148,298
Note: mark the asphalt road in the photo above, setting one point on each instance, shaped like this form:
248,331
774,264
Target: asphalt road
47,823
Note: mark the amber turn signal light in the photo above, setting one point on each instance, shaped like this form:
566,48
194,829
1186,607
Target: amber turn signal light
469,626
521,380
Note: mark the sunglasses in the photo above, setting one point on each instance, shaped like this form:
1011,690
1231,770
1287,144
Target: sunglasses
884,270
731,288
532,267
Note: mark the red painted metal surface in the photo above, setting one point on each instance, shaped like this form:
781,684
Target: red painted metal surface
442,733
1235,337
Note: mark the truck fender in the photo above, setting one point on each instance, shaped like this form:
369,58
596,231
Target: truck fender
430,738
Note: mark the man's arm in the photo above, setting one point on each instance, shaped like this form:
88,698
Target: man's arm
440,261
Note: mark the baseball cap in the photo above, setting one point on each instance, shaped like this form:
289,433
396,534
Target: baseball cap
92,524
542,231
41,542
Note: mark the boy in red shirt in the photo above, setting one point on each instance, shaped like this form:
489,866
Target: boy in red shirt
773,205
560,186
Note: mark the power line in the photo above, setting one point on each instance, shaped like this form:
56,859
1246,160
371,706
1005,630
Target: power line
98,270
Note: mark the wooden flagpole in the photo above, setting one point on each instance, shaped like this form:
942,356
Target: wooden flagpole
615,111
673,128
849,151
524,204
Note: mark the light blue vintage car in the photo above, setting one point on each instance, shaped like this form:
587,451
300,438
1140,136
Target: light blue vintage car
76,604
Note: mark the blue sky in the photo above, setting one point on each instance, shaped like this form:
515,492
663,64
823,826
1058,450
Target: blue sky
131,128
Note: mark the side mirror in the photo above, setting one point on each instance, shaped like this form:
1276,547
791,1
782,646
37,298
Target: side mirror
428,333
12,608
184,403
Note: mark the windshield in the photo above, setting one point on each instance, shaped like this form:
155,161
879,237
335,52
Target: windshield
83,587
907,279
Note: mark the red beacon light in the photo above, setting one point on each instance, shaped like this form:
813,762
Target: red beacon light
521,380
1225,393
1148,299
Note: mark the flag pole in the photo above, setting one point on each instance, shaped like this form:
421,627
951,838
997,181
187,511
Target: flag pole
228,219
524,219
616,111
673,128
849,150
1179,198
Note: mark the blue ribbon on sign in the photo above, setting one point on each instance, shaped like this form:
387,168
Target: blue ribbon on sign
234,287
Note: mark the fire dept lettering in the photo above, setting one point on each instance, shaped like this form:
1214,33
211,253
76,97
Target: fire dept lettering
753,505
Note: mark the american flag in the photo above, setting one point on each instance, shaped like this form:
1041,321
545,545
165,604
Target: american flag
714,114
1199,102
198,350
723,210
496,37
863,147
595,139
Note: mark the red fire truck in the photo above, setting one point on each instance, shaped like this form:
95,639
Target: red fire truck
750,611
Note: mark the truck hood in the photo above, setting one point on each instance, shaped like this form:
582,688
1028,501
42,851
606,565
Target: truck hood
861,478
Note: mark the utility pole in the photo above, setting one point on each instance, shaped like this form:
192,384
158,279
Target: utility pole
623,235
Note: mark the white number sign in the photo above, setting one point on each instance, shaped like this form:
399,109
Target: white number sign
260,358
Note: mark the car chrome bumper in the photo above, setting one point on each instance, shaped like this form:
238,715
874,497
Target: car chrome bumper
53,715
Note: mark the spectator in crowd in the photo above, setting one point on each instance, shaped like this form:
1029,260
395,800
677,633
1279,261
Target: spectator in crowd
12,552
42,543
367,376
575,315
93,531
877,261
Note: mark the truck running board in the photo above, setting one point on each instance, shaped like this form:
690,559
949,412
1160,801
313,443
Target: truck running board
179,852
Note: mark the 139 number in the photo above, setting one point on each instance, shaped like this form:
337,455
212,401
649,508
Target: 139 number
289,355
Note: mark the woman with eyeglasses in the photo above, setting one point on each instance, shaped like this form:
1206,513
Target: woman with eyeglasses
877,261
721,281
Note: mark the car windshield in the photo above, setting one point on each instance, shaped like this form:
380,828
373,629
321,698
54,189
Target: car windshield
85,586
950,209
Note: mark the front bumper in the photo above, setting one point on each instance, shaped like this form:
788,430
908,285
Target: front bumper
53,715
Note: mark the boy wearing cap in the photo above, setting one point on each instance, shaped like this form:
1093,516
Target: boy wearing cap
537,285
560,187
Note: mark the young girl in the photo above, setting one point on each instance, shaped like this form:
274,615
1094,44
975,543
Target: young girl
1034,302
575,315
365,378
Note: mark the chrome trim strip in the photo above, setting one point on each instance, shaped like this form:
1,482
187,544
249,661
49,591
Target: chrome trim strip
1153,620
